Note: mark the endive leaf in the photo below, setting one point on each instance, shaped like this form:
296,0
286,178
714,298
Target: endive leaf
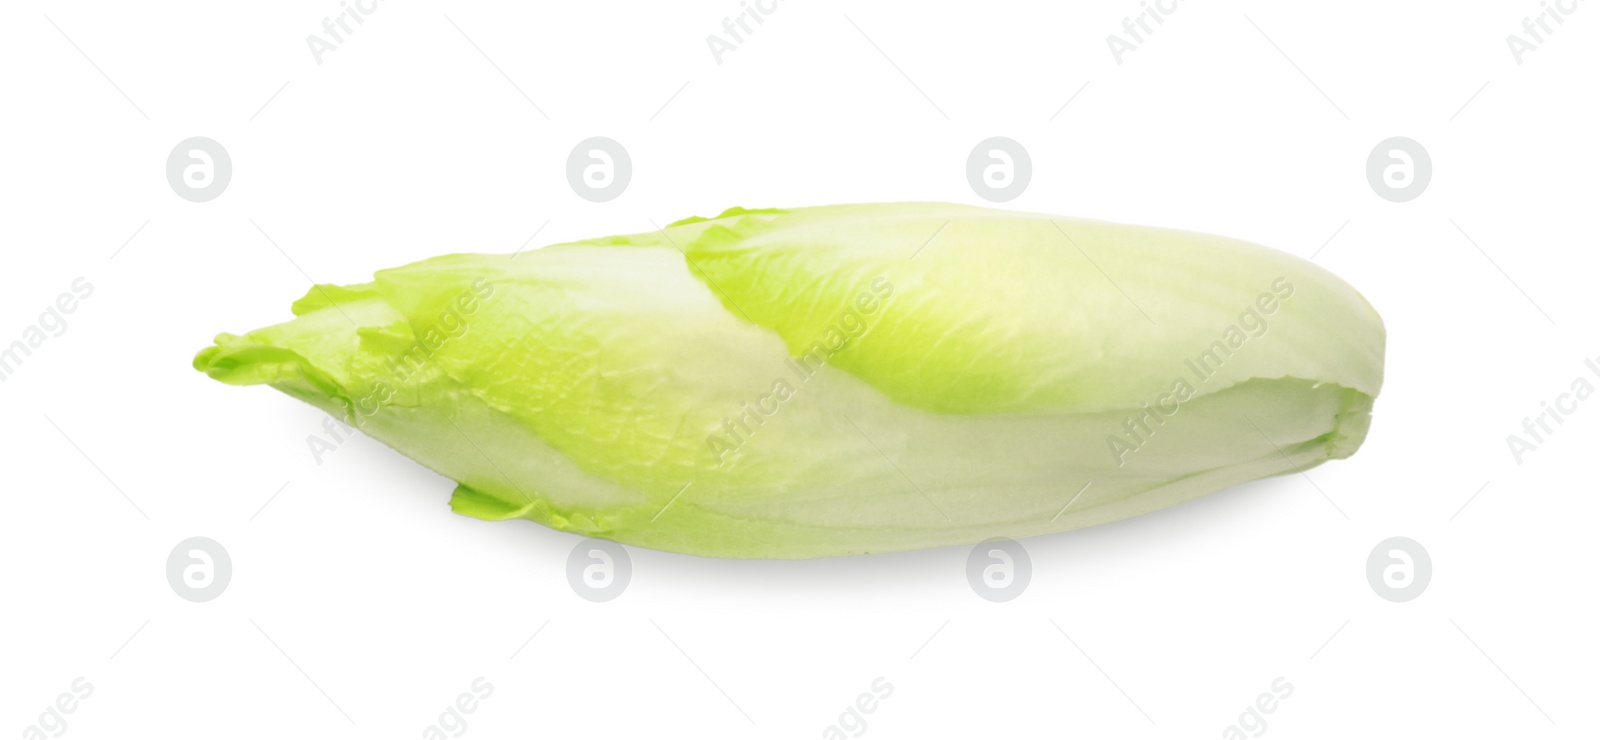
847,379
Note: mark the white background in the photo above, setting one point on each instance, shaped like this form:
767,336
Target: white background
361,607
